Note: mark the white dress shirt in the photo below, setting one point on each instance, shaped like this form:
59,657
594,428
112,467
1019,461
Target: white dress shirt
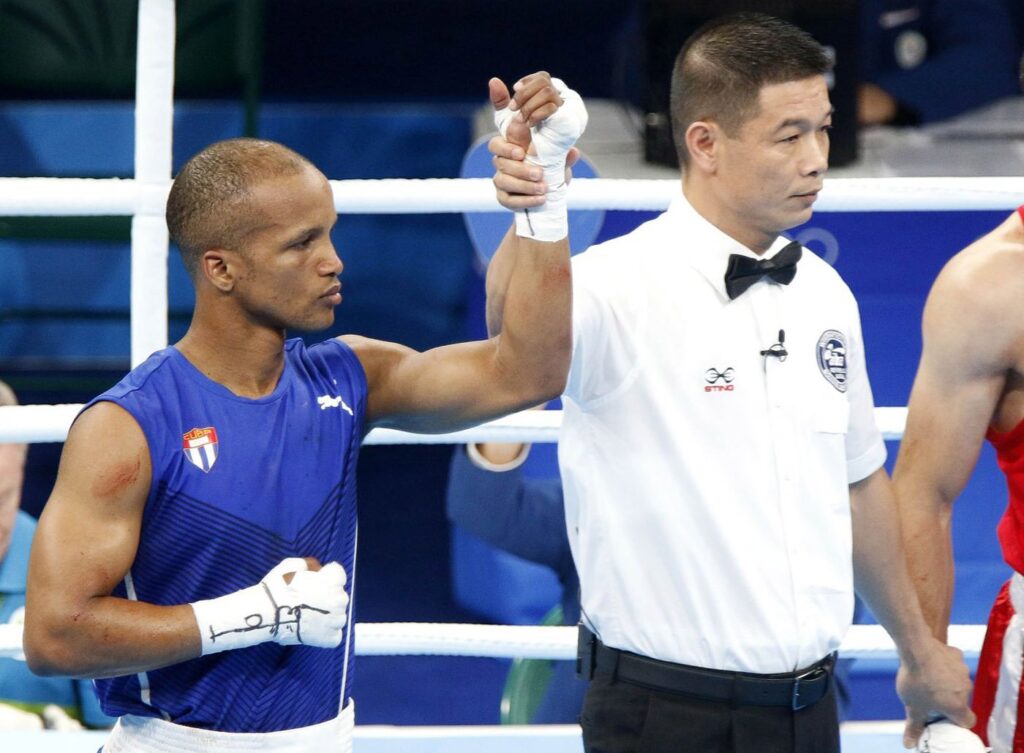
706,485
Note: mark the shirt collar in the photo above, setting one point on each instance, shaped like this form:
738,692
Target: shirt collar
708,248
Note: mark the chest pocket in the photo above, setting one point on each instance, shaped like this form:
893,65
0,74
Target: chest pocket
825,384
830,412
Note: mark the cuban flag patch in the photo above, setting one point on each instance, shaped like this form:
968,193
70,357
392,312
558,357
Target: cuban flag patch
200,447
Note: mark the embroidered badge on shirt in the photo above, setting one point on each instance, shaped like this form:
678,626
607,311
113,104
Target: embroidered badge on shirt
713,376
200,447
832,358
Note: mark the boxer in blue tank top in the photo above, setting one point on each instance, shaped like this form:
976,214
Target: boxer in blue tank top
197,551
215,456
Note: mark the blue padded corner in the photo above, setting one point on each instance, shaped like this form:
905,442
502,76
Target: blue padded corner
486,229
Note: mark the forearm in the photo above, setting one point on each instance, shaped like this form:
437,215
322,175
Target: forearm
880,568
534,311
297,603
932,678
499,271
111,636
927,538
535,344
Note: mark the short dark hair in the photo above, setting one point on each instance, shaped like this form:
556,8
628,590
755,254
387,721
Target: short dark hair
719,72
208,203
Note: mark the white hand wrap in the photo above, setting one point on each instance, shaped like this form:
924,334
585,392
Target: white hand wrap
945,737
552,139
311,610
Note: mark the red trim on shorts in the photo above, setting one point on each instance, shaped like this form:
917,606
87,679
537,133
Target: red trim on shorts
987,679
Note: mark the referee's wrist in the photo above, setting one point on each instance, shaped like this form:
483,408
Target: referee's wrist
477,458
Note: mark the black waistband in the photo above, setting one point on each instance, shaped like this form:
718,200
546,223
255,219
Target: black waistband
796,690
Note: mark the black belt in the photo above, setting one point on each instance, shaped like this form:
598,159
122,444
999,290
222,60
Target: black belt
796,690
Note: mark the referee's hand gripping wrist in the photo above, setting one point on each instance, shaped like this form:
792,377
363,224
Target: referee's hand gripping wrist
294,604
547,117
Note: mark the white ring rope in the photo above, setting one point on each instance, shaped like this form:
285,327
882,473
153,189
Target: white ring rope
115,196
50,423
538,642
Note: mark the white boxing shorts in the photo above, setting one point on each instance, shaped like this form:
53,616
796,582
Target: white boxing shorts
139,734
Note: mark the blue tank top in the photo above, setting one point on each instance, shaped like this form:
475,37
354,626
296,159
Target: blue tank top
238,485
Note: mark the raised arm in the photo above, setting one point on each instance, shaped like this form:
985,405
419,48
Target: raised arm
527,361
84,547
520,185
968,341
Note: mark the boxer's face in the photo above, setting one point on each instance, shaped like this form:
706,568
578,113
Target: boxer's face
771,170
288,268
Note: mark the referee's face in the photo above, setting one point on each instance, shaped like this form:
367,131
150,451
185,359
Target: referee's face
770,172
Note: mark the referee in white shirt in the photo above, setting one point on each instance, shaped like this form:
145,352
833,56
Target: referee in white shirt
723,473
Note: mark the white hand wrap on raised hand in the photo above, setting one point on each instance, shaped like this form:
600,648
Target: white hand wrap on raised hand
946,737
311,610
552,138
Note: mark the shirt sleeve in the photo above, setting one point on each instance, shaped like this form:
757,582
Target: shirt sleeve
525,517
865,449
607,312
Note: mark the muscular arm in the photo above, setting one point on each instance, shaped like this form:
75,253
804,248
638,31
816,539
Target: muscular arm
460,385
880,571
85,543
526,358
933,677
968,342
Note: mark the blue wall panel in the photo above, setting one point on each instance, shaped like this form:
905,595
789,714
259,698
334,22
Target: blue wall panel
405,275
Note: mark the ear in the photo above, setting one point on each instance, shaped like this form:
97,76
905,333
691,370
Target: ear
220,267
702,142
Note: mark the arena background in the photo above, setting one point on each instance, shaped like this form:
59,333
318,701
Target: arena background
368,93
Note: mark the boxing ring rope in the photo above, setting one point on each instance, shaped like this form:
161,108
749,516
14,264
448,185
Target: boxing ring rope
538,642
143,199
121,196
50,423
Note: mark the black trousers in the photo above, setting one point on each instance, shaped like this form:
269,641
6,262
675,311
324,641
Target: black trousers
622,718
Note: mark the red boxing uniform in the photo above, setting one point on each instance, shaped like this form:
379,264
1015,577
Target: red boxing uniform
997,690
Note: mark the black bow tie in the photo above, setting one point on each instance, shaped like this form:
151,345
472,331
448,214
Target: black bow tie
743,271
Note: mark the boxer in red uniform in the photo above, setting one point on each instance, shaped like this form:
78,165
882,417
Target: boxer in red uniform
969,387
